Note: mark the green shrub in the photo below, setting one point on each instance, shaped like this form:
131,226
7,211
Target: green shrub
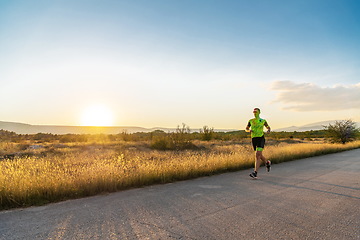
161,143
207,133
178,140
342,131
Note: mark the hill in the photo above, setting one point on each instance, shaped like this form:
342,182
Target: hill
309,127
22,128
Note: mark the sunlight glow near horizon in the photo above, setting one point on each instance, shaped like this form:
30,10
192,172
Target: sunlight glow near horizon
97,115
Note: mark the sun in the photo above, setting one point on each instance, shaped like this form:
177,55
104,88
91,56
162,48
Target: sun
97,115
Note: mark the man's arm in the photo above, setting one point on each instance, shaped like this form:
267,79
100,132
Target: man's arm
247,129
268,127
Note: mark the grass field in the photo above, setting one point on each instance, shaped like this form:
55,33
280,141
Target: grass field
56,172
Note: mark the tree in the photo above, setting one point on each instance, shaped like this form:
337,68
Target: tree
342,131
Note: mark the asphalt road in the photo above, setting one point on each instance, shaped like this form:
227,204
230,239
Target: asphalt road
313,198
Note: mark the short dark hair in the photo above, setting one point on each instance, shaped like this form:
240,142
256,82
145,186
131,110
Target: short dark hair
257,109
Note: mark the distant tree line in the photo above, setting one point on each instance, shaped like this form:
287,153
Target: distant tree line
205,134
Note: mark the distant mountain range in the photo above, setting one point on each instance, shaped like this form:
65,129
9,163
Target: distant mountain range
22,128
309,127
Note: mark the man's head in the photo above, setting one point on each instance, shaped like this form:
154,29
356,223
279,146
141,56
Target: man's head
256,111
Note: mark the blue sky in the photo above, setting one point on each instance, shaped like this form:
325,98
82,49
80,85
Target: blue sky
166,62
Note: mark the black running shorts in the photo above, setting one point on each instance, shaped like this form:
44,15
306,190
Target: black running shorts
258,143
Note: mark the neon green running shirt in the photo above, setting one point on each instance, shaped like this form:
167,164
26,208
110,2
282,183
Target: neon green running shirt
257,127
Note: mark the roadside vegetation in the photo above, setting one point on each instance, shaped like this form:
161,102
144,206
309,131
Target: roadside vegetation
342,131
43,168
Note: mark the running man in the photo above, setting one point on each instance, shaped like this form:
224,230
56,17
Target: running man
258,140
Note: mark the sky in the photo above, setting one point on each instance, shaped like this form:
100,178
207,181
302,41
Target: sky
162,63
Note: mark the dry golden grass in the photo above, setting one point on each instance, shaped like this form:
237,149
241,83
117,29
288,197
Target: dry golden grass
90,170
288,152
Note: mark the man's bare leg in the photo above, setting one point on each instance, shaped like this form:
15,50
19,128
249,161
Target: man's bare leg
259,158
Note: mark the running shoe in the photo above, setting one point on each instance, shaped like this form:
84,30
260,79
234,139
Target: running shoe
253,175
268,166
